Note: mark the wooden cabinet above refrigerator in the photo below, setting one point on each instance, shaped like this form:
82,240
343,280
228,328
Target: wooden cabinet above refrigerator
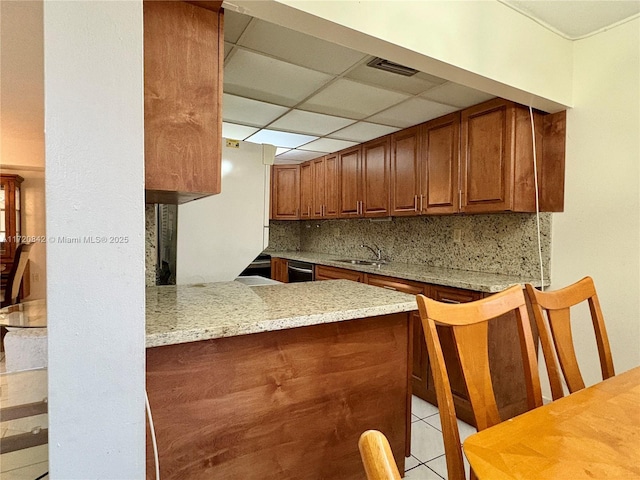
183,63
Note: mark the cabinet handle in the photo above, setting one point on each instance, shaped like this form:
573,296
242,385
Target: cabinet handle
459,199
297,212
389,288
415,203
308,210
322,211
361,207
421,197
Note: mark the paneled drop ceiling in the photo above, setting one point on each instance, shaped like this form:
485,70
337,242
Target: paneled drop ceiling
310,97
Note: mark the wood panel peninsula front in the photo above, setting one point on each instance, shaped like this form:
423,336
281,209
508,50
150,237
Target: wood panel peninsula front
276,381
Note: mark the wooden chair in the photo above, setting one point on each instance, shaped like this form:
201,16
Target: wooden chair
377,458
12,288
556,338
469,325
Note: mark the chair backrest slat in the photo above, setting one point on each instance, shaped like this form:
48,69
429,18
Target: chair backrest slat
552,313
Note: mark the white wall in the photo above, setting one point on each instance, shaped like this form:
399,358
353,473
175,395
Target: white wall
599,232
95,187
481,44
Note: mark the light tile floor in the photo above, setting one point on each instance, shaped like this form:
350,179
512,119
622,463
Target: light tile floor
427,461
29,463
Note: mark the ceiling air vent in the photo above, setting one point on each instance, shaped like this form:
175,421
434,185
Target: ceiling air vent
387,66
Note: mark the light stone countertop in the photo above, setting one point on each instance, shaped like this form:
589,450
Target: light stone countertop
477,281
189,313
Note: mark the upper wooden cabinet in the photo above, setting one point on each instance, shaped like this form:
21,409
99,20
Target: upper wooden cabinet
424,168
325,187
350,182
406,168
479,160
365,179
439,182
376,170
183,61
285,192
306,190
497,167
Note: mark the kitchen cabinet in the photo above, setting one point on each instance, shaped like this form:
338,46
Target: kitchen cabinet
325,187
350,187
306,190
440,154
365,179
376,168
406,166
497,171
183,63
322,272
285,192
280,269
424,168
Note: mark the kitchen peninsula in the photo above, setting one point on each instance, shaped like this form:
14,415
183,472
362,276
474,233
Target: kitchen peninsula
276,381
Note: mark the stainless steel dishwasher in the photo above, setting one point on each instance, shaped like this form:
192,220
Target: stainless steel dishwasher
300,271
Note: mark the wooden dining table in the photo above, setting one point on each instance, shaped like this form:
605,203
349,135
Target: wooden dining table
591,434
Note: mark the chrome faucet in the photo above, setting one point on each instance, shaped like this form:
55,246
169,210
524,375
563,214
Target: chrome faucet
377,251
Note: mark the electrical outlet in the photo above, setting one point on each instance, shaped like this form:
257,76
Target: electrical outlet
457,235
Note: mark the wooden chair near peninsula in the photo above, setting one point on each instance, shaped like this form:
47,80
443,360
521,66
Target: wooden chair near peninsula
555,333
377,458
469,323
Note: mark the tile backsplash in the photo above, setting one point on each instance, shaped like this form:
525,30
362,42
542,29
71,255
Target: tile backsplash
498,243
151,245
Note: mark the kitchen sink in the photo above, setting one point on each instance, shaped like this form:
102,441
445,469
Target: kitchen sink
374,263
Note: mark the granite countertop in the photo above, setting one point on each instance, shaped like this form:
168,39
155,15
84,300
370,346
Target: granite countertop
189,313
477,281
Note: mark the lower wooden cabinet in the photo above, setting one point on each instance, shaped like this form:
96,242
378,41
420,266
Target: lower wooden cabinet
280,269
331,273
504,347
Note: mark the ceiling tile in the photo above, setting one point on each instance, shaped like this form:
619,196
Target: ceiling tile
297,156
456,95
363,131
227,49
312,123
249,112
237,132
234,25
263,78
280,139
281,150
352,99
412,85
328,145
299,48
412,112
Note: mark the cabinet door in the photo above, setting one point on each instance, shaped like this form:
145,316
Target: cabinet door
306,190
331,273
405,172
285,192
350,182
375,171
183,59
318,180
441,154
331,187
487,159
280,269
